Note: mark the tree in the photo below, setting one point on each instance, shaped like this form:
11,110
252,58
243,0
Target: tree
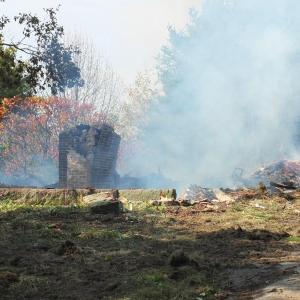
44,63
139,97
13,79
134,115
102,85
29,134
124,107
7,105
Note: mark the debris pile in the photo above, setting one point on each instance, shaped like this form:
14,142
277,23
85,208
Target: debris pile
284,173
197,194
247,193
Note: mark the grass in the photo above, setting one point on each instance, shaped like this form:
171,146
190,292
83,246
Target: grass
31,285
96,233
157,278
127,256
294,239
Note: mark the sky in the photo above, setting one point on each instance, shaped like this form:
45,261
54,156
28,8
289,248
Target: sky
128,33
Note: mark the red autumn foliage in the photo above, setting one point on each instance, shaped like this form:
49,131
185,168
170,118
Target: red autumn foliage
30,129
7,105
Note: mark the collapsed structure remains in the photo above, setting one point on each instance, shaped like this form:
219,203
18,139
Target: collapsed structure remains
88,156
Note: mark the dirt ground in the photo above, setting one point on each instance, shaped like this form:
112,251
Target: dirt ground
245,250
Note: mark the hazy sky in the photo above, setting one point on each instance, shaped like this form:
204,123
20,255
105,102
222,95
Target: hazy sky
129,33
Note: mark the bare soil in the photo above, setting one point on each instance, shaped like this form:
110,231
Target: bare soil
245,250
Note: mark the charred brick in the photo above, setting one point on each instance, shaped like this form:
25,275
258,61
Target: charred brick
88,156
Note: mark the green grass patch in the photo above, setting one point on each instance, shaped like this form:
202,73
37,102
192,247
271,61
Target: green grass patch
145,195
294,239
237,207
156,278
100,233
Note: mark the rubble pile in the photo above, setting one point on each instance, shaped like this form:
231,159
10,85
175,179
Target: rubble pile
285,173
193,195
196,194
247,193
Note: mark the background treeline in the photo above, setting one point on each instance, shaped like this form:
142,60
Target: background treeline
49,82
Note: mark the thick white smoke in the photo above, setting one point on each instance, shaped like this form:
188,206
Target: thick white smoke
232,93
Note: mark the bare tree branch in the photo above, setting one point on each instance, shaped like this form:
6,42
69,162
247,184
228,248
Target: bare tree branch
103,87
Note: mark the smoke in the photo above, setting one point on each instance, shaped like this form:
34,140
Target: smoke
231,93
41,173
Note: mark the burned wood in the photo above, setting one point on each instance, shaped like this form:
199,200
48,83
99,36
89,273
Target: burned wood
287,185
